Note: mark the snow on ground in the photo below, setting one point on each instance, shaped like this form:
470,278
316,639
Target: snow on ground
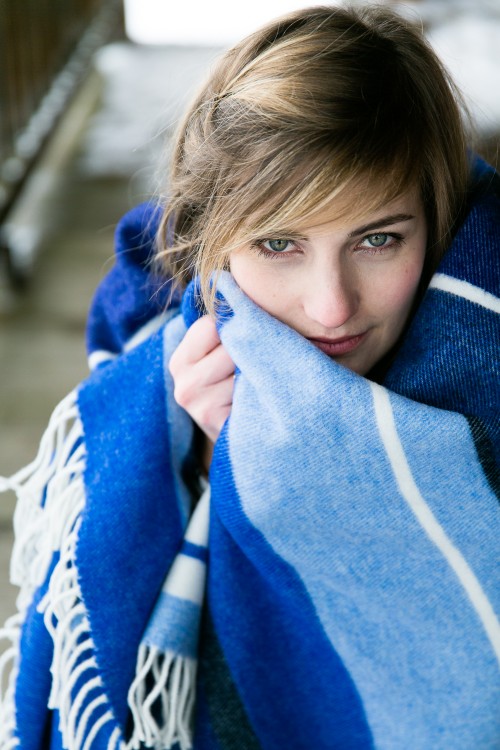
145,92
466,36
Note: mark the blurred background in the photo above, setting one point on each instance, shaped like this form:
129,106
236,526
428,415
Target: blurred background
90,93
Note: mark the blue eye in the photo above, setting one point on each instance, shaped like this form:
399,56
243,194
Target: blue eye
380,243
377,240
277,246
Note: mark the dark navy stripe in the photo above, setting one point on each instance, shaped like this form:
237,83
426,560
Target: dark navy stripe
204,737
194,550
228,718
486,453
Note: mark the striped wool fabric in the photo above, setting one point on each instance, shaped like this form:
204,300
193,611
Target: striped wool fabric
335,586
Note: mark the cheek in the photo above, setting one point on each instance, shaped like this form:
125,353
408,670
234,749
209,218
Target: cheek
258,283
246,275
399,292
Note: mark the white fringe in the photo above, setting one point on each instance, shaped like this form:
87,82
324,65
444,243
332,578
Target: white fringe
45,493
66,619
8,673
51,497
174,686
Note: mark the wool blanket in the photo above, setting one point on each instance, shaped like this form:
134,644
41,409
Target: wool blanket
335,586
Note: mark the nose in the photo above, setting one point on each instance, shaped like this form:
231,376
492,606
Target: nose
332,297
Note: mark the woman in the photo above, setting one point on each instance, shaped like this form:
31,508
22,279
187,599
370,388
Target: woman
348,525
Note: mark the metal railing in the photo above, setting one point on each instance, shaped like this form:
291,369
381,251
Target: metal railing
46,48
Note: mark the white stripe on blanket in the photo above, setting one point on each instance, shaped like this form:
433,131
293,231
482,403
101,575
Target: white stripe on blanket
99,356
423,513
148,329
186,578
463,289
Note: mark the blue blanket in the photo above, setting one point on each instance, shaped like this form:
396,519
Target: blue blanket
352,558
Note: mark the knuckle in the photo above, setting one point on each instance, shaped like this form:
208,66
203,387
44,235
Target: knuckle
183,394
173,364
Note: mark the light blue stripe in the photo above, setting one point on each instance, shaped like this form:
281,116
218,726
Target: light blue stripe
389,602
174,626
455,489
179,422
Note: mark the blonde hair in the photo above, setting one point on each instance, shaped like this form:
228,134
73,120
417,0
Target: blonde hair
323,103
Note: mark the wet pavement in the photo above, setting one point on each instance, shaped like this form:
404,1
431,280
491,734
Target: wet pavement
102,160
42,350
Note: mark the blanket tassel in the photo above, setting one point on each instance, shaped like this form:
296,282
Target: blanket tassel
47,491
163,714
10,631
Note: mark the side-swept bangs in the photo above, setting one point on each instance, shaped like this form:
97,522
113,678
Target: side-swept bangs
332,108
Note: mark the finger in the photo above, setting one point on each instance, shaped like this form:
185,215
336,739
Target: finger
197,386
217,365
191,379
212,407
213,429
199,340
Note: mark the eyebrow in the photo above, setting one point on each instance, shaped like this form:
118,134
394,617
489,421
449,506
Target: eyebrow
383,221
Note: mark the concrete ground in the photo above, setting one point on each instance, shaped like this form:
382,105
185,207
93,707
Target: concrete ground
42,351
102,160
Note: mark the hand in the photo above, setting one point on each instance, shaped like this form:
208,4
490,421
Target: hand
203,374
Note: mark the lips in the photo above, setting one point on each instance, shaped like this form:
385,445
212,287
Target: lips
336,347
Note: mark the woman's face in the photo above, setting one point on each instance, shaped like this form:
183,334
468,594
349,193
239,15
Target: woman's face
346,285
